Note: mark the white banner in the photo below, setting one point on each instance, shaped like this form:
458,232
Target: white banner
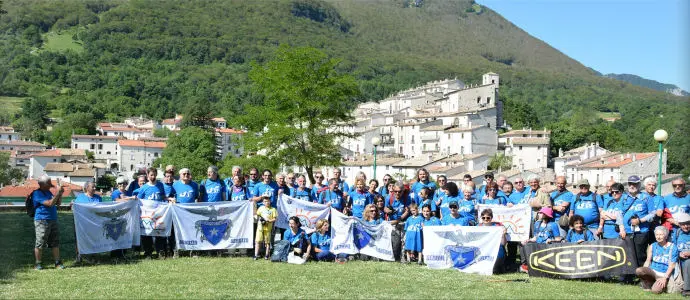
102,227
515,219
350,235
213,225
307,212
469,249
156,218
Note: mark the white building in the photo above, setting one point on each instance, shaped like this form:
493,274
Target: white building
135,154
229,142
219,122
123,130
8,134
74,173
528,148
575,156
142,123
614,166
40,160
172,124
104,148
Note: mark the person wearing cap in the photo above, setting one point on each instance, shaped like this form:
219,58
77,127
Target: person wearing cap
561,199
587,205
638,218
661,260
545,231
681,238
454,218
120,193
676,202
45,221
611,220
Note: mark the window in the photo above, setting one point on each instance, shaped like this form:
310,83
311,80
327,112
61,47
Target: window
413,139
488,100
479,100
93,146
155,154
538,147
388,167
519,147
76,146
100,146
412,148
108,153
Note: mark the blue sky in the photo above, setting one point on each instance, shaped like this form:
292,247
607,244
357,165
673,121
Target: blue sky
642,37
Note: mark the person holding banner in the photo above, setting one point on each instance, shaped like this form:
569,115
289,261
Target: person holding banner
545,231
45,221
333,196
301,191
661,260
186,190
396,213
299,243
371,215
611,220
89,195
681,238
266,216
168,180
359,199
429,220
587,205
153,190
487,219
136,186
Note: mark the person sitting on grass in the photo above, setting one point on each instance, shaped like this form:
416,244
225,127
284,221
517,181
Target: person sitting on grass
266,216
681,238
545,232
661,260
299,243
578,232
321,241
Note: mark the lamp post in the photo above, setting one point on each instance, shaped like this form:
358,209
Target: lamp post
376,141
660,136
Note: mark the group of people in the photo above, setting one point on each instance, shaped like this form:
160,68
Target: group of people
632,211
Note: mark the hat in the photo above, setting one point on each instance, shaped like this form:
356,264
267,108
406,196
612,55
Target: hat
489,174
547,211
121,180
45,179
634,179
453,203
582,182
682,218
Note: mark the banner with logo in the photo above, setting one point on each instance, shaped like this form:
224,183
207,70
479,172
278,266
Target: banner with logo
589,259
102,227
307,212
350,235
213,225
155,218
515,219
469,249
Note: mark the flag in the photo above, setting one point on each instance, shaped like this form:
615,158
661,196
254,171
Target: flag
350,235
102,227
307,212
468,249
155,218
213,225
515,219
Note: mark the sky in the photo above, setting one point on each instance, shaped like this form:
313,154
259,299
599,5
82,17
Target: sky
647,38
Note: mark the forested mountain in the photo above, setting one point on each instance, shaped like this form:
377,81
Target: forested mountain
80,61
648,83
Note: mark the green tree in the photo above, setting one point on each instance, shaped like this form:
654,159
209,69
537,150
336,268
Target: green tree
77,123
162,132
500,162
304,96
198,113
106,182
255,161
7,172
192,148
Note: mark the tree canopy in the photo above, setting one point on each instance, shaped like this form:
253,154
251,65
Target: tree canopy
192,148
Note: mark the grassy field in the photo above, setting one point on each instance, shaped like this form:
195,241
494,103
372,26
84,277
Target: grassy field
61,41
241,277
11,104
609,115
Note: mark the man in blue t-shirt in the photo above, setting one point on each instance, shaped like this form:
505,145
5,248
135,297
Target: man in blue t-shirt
561,199
45,221
89,195
267,188
212,189
678,201
186,190
589,206
342,185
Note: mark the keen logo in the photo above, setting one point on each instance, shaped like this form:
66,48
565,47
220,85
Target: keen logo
577,259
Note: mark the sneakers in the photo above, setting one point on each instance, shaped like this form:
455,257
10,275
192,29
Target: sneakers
176,254
256,257
38,267
78,260
59,265
523,268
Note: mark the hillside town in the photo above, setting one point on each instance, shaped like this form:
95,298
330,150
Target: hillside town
447,127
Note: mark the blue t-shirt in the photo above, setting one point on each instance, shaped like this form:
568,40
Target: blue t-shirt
321,241
467,209
117,194
653,198
545,231
186,193
573,237
304,194
44,212
662,256
84,198
640,208
588,206
398,209
238,193
315,194
517,197
681,240
429,202
413,233
343,186
333,197
133,186
250,187
169,189
295,238
374,221
384,192
557,199
495,201
676,204
359,201
460,220
433,221
417,187
212,190
446,200
267,189
152,192
613,207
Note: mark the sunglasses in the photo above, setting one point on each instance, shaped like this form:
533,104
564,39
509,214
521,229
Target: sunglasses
395,192
678,185
453,207
519,182
486,218
318,177
185,173
615,192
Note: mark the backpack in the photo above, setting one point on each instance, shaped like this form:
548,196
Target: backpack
571,232
29,204
281,249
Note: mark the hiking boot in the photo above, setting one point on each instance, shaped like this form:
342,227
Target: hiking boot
176,254
523,268
59,265
78,260
38,267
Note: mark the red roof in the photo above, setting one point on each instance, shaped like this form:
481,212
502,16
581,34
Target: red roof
30,185
617,160
61,152
21,143
136,143
229,131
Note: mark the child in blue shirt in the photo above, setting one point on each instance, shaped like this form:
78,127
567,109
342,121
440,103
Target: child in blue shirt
413,233
578,233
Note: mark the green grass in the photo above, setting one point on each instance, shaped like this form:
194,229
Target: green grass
11,104
241,277
61,41
606,115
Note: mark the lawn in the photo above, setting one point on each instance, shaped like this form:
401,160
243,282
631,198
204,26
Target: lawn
11,104
60,41
241,277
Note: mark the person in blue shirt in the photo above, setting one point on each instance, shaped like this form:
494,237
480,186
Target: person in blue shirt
422,182
589,206
561,199
487,219
236,171
661,260
681,239
283,186
441,181
429,220
212,189
318,187
186,190
578,233
383,190
611,219
342,185
45,221
605,197
252,181
371,215
450,194
267,188
321,241
454,218
650,195
676,202
333,196
424,198
302,192
89,195
120,193
135,186
237,190
545,231
168,180
153,190
373,185
395,212
489,179
291,180
638,219
359,199
413,233
491,197
300,244
467,207
518,194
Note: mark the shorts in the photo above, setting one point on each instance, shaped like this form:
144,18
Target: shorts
47,233
264,233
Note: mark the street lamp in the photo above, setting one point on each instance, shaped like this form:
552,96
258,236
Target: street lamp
660,136
376,141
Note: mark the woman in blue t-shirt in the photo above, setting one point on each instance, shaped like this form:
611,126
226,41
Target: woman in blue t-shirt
661,259
321,241
487,219
299,243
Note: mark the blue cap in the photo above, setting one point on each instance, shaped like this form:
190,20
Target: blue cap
453,203
634,179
